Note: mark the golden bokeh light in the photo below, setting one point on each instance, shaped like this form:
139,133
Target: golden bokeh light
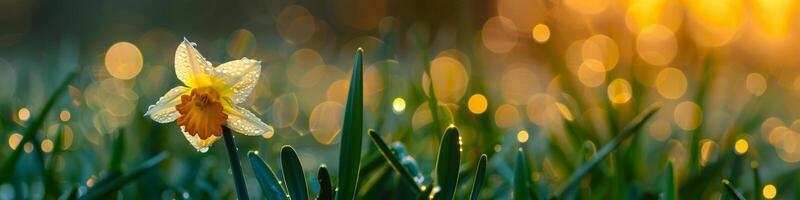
774,16
422,115
285,110
541,33
671,83
24,114
656,45
47,145
65,115
587,7
564,111
398,104
295,24
619,91
28,147
741,146
325,121
590,73
688,115
477,104
499,34
450,79
769,191
542,110
241,43
14,140
306,68
644,13
522,136
524,13
659,129
506,116
518,84
756,84
123,60
601,48
714,23
709,151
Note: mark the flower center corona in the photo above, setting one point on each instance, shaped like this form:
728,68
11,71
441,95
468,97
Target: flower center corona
201,113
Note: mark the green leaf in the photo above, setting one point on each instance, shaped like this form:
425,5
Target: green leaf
669,185
732,191
447,163
628,131
350,153
480,174
293,174
392,159
34,125
325,187
101,191
521,177
270,185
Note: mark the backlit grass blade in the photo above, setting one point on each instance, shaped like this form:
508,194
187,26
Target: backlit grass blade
392,159
732,191
629,130
522,177
293,174
270,185
669,185
101,191
33,127
325,187
447,163
350,151
480,175
756,180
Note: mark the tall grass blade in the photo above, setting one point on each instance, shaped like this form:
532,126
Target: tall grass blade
117,152
350,152
30,132
392,160
293,174
628,131
522,178
480,175
732,191
756,180
325,186
447,164
669,185
270,185
102,191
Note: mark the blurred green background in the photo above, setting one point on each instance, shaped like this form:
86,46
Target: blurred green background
557,78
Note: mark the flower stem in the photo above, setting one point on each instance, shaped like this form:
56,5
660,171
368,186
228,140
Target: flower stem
236,166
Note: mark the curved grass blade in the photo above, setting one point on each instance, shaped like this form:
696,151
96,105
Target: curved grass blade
101,191
325,187
480,174
628,131
270,185
732,191
34,125
293,174
447,163
521,177
392,159
350,153
670,184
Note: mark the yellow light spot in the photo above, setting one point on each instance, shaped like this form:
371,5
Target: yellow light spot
656,45
422,115
601,48
587,7
522,136
542,110
123,60
714,23
756,84
541,33
708,151
477,104
24,114
13,140
590,73
659,129
28,147
398,104
450,79
325,121
671,83
241,43
741,146
499,34
619,91
775,16
285,110
64,115
769,191
506,116
90,181
644,13
47,145
688,115
564,110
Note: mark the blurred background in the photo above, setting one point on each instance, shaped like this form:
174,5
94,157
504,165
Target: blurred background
508,73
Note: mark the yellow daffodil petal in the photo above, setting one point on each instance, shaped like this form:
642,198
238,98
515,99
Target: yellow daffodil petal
245,122
200,144
240,78
190,66
164,109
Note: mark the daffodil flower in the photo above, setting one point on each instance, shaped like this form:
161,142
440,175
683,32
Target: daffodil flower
210,98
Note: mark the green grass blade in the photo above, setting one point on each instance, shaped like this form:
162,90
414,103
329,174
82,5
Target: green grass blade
426,193
34,125
480,174
392,159
270,185
117,152
102,191
756,180
293,174
521,177
669,190
628,131
732,191
350,152
325,186
447,163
